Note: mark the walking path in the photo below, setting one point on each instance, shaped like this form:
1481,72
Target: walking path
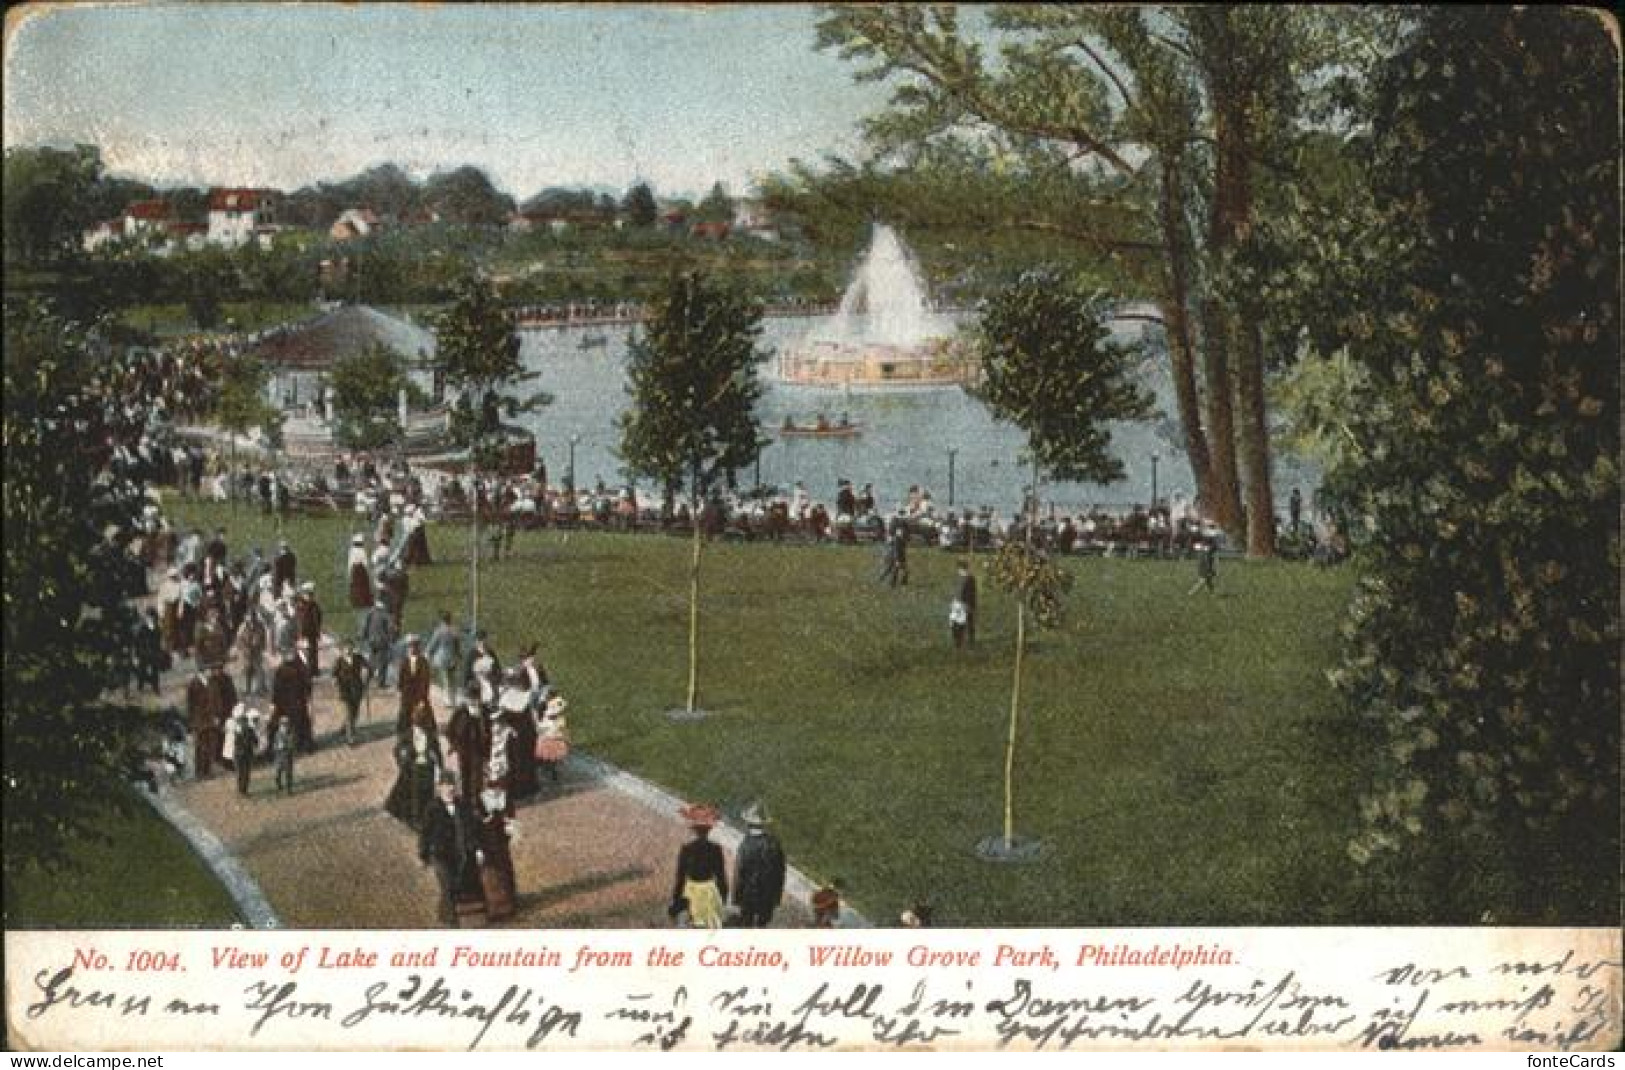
596,850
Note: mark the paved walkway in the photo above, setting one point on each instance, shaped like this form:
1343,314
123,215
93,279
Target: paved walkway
596,850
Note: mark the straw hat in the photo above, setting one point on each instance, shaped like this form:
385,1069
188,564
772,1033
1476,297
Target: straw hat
699,815
756,814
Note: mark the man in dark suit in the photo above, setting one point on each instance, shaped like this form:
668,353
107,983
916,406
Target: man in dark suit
222,699
413,679
449,843
351,673
758,871
204,724
304,727
307,615
290,695
284,568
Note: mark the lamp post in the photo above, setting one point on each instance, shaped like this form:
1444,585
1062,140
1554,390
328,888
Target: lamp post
572,474
1154,459
951,455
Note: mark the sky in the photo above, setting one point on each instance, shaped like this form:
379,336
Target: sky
282,95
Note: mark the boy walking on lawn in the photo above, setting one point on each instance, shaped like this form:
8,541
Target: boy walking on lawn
282,748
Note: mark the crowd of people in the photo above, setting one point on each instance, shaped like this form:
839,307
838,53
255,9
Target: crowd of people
1171,527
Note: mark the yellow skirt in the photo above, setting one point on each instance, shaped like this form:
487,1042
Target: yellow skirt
704,904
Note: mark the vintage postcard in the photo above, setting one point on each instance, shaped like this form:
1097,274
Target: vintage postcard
1082,527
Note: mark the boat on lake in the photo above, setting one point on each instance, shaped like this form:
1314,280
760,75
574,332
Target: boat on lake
819,428
594,341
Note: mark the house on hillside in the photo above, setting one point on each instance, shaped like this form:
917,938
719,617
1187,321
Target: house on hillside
239,216
145,220
185,236
711,230
354,223
752,219
104,233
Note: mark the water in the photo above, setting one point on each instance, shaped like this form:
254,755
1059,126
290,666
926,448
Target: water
906,435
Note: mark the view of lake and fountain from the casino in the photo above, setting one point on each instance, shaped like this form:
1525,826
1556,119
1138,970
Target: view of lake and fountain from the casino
910,433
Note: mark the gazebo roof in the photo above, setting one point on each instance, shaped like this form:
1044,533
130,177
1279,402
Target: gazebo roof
322,342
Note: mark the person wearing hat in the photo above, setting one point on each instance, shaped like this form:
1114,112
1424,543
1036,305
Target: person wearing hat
378,639
242,743
308,615
497,830
758,870
290,698
351,673
419,763
413,678
962,611
449,842
304,726
204,723
553,737
701,887
284,567
360,576
149,651
515,705
826,905
470,737
169,608
444,651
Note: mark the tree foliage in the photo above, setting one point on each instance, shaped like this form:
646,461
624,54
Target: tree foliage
241,406
49,199
366,398
639,206
693,379
1155,137
477,350
692,376
69,578
1476,293
1050,367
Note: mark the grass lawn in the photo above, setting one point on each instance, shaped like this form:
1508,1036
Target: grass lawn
167,319
1180,757
147,877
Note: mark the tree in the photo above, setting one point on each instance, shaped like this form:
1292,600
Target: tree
49,199
639,206
1049,367
1172,124
717,207
693,379
69,578
466,196
477,351
366,398
1474,293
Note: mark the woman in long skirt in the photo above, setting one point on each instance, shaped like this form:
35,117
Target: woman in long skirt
496,832
419,763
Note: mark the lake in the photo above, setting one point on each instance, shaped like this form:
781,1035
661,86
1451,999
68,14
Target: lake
906,434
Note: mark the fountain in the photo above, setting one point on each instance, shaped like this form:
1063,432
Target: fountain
885,333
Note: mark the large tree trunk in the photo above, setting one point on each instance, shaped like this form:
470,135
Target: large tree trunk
1223,504
1231,89
1175,309
1255,443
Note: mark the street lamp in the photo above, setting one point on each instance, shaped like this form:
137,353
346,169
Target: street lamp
572,474
951,455
1154,459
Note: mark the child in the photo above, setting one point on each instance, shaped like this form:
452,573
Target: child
282,750
552,737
